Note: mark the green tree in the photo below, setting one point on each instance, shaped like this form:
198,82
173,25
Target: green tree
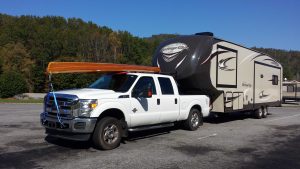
72,81
115,44
15,57
1,65
12,83
287,73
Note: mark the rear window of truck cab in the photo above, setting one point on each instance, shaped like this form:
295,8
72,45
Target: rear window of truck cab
166,86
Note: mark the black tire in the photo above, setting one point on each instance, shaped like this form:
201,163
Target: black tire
258,113
265,112
107,134
194,120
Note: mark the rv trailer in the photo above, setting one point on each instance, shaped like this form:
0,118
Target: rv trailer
291,90
235,78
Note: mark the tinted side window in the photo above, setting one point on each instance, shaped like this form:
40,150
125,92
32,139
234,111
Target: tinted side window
142,84
274,80
290,88
166,86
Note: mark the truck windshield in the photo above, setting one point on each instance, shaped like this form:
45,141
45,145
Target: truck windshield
115,82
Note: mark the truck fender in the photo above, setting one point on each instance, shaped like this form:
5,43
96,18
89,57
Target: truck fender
111,105
205,107
197,103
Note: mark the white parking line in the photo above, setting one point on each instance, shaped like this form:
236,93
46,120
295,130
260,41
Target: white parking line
212,135
282,118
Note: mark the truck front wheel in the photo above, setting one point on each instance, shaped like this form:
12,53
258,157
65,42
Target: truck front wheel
195,119
107,134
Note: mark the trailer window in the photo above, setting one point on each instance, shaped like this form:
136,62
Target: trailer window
290,88
274,80
166,86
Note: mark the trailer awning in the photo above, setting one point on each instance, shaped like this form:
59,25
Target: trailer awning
88,67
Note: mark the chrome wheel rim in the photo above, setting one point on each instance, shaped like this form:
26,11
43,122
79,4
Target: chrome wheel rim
111,134
195,119
260,111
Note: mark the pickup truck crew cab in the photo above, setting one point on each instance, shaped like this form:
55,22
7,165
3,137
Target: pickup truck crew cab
120,102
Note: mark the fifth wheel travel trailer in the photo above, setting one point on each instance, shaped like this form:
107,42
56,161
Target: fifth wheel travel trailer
291,90
235,78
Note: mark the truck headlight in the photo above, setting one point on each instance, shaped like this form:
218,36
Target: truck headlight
86,106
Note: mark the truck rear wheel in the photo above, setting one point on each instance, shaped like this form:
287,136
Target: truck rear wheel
107,134
195,119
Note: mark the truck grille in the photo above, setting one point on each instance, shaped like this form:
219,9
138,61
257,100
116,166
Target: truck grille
67,104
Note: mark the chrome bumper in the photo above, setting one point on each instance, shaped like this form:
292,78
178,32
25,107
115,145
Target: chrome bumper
79,129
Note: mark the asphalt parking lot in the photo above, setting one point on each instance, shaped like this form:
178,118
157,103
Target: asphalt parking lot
236,141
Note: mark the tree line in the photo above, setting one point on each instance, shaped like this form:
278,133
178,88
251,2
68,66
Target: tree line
29,43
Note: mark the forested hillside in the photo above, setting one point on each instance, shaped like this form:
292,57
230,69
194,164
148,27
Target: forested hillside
28,43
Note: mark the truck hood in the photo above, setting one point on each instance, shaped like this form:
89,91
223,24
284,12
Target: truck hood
88,93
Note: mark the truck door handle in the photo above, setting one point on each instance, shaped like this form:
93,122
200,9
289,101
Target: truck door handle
158,101
175,100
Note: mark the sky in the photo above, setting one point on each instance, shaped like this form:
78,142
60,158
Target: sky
260,23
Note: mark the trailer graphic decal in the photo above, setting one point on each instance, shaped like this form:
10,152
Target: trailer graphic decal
262,95
171,51
259,55
213,55
273,62
223,66
178,64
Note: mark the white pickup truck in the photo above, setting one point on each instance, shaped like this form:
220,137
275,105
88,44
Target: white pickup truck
120,102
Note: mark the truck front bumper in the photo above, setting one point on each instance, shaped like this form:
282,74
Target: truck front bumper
79,129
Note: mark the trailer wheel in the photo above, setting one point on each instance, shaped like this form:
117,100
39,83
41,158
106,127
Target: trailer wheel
258,113
265,112
107,134
194,120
